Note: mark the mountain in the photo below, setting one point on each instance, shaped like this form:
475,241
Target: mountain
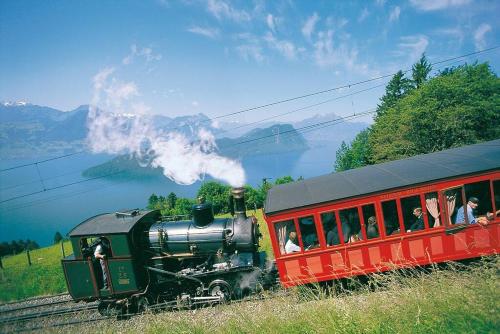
275,139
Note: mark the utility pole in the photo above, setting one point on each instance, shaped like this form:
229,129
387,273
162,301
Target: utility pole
28,255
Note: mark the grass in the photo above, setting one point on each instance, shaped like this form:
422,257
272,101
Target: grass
457,299
18,280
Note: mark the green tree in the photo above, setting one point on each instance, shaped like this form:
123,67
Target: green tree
217,194
57,238
397,87
152,201
420,71
171,199
459,108
354,156
183,206
284,179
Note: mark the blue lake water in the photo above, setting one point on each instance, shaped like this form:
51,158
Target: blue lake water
39,216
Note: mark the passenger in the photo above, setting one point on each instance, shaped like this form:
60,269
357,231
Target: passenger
100,254
472,204
291,244
372,228
419,223
346,228
332,237
311,241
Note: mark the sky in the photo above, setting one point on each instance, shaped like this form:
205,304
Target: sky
218,56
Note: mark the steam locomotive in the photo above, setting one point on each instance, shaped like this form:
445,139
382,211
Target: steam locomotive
149,258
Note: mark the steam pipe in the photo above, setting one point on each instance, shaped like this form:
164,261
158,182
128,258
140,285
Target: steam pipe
239,202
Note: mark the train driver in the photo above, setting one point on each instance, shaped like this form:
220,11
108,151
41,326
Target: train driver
291,245
100,254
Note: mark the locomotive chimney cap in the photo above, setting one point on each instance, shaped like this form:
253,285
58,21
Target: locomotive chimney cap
238,192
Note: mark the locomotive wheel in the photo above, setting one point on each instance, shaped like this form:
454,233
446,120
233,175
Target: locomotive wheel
109,309
142,304
220,288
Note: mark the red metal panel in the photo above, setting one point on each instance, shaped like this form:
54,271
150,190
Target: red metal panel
337,261
356,259
374,253
416,248
481,238
397,252
437,245
314,265
460,241
292,270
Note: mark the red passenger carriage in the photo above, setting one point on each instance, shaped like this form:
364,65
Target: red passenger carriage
368,220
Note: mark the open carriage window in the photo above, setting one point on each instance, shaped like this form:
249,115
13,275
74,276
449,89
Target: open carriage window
391,218
287,237
496,193
454,206
433,209
308,232
370,221
332,235
413,215
351,227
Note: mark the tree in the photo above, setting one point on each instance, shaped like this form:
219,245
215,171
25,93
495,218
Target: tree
356,155
152,201
57,238
284,179
183,206
456,109
171,199
397,87
217,194
420,71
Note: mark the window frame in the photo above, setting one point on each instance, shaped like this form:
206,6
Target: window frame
339,227
301,242
295,223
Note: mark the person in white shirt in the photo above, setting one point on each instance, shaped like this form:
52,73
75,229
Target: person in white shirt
291,245
100,255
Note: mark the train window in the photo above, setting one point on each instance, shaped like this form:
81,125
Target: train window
433,211
332,235
496,192
481,191
370,221
391,218
308,232
351,227
287,237
454,203
413,216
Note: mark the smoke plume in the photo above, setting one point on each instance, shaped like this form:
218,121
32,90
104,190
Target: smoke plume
118,124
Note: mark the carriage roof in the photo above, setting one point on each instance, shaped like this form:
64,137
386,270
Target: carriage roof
390,175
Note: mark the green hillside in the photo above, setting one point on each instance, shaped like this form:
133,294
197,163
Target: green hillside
18,280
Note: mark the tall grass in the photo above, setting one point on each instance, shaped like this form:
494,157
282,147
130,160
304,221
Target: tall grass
18,280
455,299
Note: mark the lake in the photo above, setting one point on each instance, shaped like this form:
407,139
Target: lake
38,217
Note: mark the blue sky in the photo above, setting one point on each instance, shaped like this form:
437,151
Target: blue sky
218,56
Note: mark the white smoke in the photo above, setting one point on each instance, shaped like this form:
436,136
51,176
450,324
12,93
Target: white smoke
119,125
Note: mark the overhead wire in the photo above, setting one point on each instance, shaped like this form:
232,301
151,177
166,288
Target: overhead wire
348,85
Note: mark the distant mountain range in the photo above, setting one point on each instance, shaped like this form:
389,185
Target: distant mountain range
28,130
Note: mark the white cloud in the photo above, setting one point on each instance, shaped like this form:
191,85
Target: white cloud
221,10
309,26
330,54
479,40
364,14
430,5
195,104
212,33
270,22
380,2
286,48
146,53
454,32
412,46
394,15
251,51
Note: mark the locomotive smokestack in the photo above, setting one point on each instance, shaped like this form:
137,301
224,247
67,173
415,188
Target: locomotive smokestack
239,202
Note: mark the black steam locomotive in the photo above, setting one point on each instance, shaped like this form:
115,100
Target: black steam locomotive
130,259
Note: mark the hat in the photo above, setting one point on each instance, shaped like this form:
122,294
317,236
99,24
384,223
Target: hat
473,200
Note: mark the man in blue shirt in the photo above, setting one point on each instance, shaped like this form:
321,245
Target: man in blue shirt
472,204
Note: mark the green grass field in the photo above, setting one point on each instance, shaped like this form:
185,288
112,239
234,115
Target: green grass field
454,299
18,280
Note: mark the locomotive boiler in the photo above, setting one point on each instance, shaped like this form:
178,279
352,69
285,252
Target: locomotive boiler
150,258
